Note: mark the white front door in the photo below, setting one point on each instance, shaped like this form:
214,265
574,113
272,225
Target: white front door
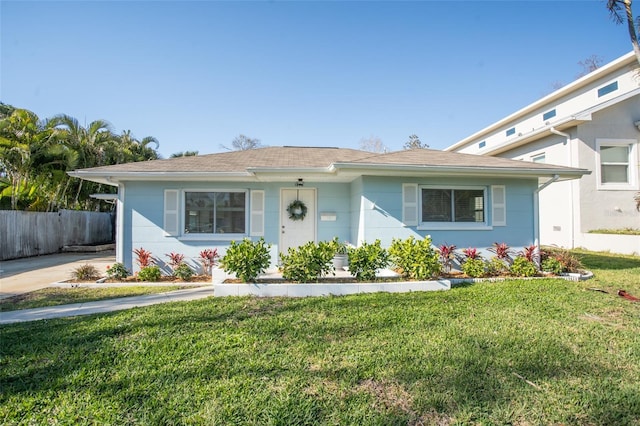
294,233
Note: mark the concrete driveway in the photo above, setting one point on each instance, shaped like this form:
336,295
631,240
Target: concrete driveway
33,273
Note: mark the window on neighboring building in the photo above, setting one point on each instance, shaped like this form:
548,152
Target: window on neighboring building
605,90
215,212
511,131
617,168
614,164
539,158
549,114
453,205
482,144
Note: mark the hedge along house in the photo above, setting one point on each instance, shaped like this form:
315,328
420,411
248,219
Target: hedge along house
191,203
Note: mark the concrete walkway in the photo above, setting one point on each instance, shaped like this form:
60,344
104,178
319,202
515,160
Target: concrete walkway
101,306
34,273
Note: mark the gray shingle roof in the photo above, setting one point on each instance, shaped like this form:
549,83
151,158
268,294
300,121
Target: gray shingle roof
348,163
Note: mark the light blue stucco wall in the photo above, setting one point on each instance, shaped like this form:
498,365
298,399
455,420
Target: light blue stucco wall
366,209
143,218
382,209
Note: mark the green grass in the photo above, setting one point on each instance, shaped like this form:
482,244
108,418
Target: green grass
53,296
457,357
623,231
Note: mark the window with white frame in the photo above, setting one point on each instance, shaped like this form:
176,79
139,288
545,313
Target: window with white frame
215,212
616,163
453,205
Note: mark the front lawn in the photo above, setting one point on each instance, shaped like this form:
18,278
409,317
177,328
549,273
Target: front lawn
515,352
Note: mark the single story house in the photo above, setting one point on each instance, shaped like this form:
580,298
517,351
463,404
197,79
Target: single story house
594,124
188,204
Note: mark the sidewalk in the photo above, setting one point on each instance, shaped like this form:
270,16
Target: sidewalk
101,306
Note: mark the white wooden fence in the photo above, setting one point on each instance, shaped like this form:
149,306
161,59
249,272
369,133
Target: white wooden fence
24,234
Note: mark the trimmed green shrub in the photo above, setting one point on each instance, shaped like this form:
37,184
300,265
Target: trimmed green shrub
495,267
522,267
117,271
309,262
553,265
85,272
183,271
474,268
416,259
365,260
247,259
150,273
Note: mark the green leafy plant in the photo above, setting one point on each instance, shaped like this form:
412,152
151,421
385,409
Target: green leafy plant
117,271
338,246
247,259
208,259
85,272
570,262
143,257
495,267
473,267
308,262
522,267
183,271
365,260
415,258
150,273
553,265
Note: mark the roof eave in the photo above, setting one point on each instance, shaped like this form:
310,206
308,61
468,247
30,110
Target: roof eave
433,170
114,178
621,62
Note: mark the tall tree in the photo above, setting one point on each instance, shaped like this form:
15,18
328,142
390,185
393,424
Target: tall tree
184,154
372,144
93,146
589,64
621,12
243,143
24,138
414,142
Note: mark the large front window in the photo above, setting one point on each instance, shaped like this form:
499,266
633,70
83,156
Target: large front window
215,212
453,205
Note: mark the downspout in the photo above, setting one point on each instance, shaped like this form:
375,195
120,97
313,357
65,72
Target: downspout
571,190
536,206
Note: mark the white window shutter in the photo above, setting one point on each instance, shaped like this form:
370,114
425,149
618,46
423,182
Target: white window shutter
410,204
256,223
171,214
498,205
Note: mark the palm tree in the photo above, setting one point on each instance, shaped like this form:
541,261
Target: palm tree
620,11
24,141
91,145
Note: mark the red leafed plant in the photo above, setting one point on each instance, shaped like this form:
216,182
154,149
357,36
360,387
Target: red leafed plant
502,251
530,253
208,259
143,257
175,259
447,254
471,253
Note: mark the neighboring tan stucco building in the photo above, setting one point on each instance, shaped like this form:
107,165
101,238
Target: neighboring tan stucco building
592,123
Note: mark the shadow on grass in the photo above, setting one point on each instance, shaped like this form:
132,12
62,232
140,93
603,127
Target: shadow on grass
304,361
593,260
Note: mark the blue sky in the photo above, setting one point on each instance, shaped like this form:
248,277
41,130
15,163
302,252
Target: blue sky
325,73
